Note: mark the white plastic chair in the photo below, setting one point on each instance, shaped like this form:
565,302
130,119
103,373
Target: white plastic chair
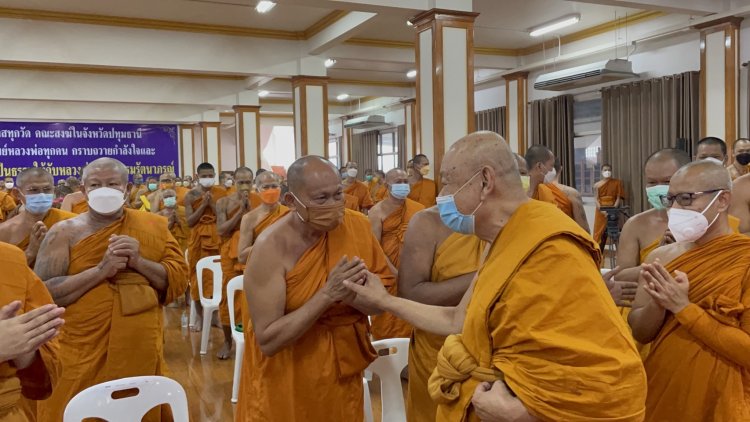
368,401
97,401
234,285
388,368
213,264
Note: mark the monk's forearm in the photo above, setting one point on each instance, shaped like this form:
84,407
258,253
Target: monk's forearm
445,293
68,289
730,342
629,274
195,216
646,322
440,320
154,272
290,327
227,227
25,360
31,256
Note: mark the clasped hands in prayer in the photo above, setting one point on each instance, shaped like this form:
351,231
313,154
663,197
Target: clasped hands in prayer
670,293
23,334
353,270
123,252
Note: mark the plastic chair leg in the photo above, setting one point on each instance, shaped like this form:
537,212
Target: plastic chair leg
206,333
238,355
368,401
193,314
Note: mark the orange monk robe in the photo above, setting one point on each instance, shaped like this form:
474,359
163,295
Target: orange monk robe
458,255
561,199
116,329
180,193
386,325
699,362
228,270
53,216
351,202
424,192
19,389
7,205
80,207
180,229
380,194
134,193
362,193
524,323
607,194
319,376
204,241
544,194
234,245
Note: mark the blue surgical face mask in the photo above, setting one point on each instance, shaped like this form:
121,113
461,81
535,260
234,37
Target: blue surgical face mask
170,202
39,203
152,186
654,194
400,190
452,217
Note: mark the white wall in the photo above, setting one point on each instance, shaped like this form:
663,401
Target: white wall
490,97
744,57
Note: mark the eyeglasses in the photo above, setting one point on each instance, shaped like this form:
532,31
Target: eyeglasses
685,199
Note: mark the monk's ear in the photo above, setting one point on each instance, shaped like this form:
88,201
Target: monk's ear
724,200
488,180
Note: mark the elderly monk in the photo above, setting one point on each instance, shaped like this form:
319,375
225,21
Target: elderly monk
28,229
268,185
526,349
740,207
568,199
76,201
693,304
29,365
113,268
540,163
309,345
711,148
442,265
741,164
229,213
137,186
166,181
389,219
357,189
200,209
176,219
423,190
608,192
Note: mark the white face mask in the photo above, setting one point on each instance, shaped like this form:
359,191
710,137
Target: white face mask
8,185
606,174
689,225
351,172
550,176
228,183
206,182
106,201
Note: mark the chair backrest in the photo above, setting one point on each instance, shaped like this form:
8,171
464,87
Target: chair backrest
235,284
97,401
213,264
388,368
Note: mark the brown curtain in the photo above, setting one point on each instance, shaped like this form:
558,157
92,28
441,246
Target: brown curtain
492,120
365,151
401,142
552,126
641,117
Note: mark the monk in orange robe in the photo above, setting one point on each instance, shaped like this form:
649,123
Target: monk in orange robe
30,366
525,349
27,230
357,189
351,202
7,206
568,199
693,306
229,212
741,164
176,219
200,208
307,329
442,265
389,220
540,168
423,190
74,202
133,194
609,193
268,186
378,189
113,269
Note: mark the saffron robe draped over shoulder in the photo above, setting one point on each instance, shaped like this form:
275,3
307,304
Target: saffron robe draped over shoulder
386,325
80,207
458,255
561,199
7,204
360,191
19,389
204,241
116,329
53,217
234,244
544,194
319,376
525,324
607,194
424,192
180,230
699,365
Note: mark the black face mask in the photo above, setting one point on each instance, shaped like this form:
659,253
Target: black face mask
743,158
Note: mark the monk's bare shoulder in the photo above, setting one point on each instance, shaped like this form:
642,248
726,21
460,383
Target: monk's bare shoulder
668,253
429,226
376,211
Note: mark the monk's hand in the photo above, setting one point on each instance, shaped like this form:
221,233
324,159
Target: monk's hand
345,269
371,293
671,293
667,239
24,334
128,247
111,264
494,403
38,231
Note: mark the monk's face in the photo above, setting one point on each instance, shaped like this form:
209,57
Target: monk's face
244,181
660,172
741,147
152,184
104,177
170,198
714,151
464,183
167,181
34,185
138,179
686,183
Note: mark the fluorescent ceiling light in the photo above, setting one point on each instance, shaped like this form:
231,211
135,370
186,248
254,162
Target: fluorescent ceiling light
555,25
263,93
265,6
408,23
342,97
411,74
329,62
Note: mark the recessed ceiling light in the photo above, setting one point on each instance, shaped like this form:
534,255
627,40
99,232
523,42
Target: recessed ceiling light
408,23
265,6
263,93
342,97
555,25
411,74
329,62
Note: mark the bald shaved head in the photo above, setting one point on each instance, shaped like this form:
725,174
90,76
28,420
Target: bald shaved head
35,174
679,156
523,170
479,149
537,154
267,177
309,167
702,175
105,163
396,176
